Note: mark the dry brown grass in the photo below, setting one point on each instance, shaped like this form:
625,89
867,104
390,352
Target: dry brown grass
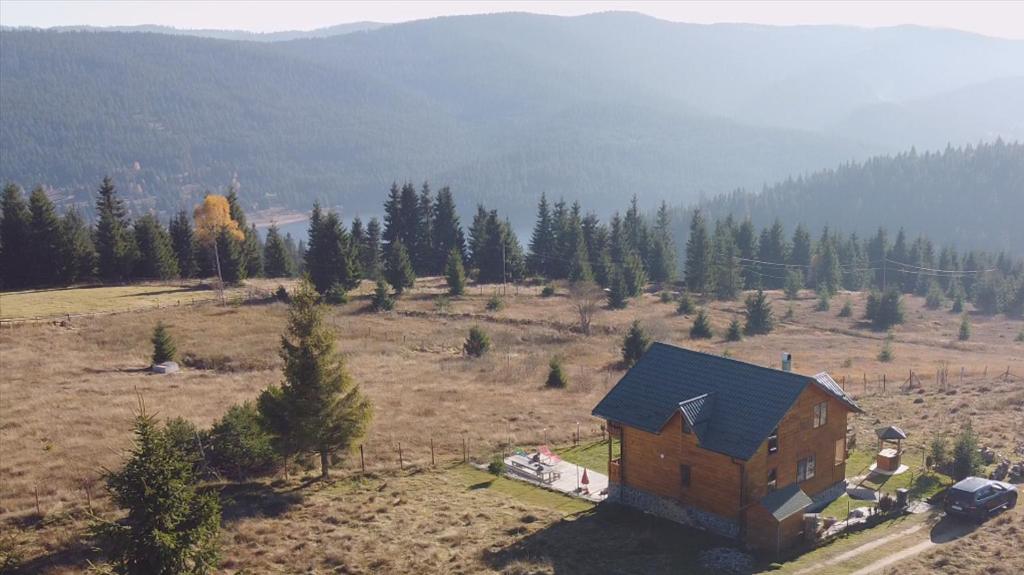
67,394
993,548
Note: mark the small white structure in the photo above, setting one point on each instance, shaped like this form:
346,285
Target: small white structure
166,367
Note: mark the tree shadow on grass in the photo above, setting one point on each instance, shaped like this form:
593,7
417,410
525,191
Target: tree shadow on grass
608,539
245,500
74,556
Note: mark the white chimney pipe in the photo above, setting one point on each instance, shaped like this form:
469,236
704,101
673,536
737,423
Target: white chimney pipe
787,361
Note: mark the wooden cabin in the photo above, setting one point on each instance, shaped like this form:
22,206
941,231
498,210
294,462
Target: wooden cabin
731,447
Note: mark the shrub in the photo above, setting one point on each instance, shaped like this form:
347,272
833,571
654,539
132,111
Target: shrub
442,303
497,465
824,301
685,306
735,333
701,328
938,452
635,344
794,283
886,354
163,344
381,299
847,309
495,303
281,294
759,314
336,295
547,291
790,312
886,503
187,439
666,297
934,298
477,342
239,447
965,328
966,459
884,310
556,375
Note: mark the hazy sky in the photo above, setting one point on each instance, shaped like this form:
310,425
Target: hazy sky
1005,19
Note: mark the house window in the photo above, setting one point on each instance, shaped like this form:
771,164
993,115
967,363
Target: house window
840,451
805,468
773,479
773,441
820,414
684,475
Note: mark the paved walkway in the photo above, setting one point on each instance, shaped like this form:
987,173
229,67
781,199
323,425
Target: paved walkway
567,483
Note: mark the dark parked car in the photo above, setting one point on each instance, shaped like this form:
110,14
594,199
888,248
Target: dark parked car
978,498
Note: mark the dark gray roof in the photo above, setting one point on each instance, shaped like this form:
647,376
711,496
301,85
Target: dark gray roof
786,501
829,385
741,406
890,433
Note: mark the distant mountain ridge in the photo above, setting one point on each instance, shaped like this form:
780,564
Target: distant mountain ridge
243,35
501,107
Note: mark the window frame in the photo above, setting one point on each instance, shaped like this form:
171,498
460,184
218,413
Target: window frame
773,437
805,468
820,414
840,455
773,479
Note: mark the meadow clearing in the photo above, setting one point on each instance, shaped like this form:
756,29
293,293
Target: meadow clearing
67,396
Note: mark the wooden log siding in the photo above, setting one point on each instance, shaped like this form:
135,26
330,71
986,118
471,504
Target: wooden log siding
650,462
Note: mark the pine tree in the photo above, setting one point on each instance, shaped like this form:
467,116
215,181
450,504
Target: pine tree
725,272
330,256
492,259
538,262
701,328
899,254
746,249
477,237
635,344
156,258
44,234
735,333
515,262
447,230
760,319
115,247
966,459
618,290
636,234
800,254
663,251
579,266
455,274
794,283
381,299
827,271
424,261
15,236
773,251
232,262
164,348
596,237
317,408
556,374
685,306
633,274
77,253
477,342
884,309
171,526
965,328
399,272
277,262
370,251
252,251
184,244
698,256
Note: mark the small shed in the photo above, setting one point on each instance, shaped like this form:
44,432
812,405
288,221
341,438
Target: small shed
888,459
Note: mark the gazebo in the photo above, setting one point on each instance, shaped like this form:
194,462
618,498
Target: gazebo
888,459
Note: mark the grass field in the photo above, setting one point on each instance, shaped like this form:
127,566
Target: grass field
67,395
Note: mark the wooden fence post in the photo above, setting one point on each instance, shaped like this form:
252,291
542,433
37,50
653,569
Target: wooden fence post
432,451
401,462
362,461
463,448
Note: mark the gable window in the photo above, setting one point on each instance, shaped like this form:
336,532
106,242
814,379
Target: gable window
840,451
773,479
773,441
684,475
820,414
805,468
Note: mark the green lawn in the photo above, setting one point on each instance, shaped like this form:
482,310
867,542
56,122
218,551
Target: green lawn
525,492
592,455
921,484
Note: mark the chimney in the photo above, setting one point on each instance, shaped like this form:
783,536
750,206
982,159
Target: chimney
787,361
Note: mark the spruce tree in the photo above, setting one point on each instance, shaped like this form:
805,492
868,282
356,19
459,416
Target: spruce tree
595,235
330,257
701,328
542,241
477,237
884,309
183,242
493,257
370,251
618,290
827,272
685,306
633,274
424,260
115,246
381,299
277,262
663,251
966,459
455,274
44,247
556,374
735,332
156,258
965,328
579,266
392,214
78,256
698,255
446,229
164,348
15,237
252,250
800,254
399,272
317,408
232,263
171,526
725,271
635,344
760,319
794,283
477,342
773,251
746,249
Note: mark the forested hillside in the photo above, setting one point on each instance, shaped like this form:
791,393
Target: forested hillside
500,107
971,197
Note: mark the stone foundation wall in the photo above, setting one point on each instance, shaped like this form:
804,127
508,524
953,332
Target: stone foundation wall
673,510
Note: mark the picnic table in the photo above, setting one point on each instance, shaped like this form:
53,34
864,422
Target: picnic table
533,467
